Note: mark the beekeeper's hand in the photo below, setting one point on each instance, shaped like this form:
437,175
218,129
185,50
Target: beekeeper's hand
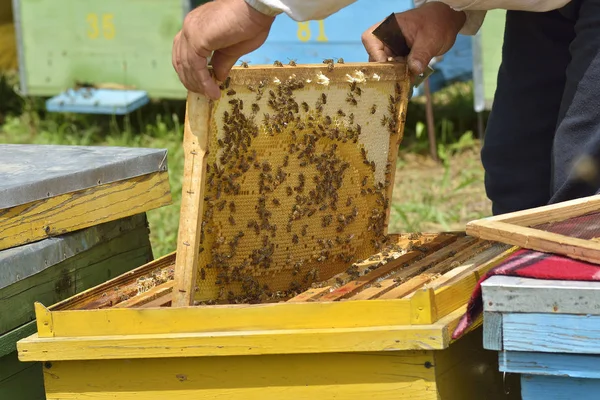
225,29
429,30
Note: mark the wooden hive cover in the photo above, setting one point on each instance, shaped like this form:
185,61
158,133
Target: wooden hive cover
287,178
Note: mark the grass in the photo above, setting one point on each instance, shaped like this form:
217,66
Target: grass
428,196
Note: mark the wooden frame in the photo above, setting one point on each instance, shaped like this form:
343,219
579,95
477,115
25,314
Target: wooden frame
519,229
201,125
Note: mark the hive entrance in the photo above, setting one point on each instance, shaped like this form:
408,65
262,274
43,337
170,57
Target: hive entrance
297,176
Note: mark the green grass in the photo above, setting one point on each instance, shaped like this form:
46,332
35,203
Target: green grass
428,196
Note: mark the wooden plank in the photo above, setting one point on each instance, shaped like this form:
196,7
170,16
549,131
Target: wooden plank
551,364
558,388
73,211
431,247
156,294
273,316
21,262
195,145
348,376
118,255
442,257
246,343
36,172
551,333
310,295
8,341
535,239
380,289
492,331
164,301
516,295
20,381
544,214
108,293
457,291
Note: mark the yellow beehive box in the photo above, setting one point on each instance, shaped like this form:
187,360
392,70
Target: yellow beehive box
313,300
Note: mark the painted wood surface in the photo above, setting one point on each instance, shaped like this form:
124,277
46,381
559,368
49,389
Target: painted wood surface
492,330
563,365
8,341
73,211
111,41
37,172
45,347
462,372
126,245
20,381
553,333
559,388
523,295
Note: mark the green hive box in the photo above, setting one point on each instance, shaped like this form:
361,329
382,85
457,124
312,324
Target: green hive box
124,42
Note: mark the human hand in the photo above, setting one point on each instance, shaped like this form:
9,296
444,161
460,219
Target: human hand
225,29
429,30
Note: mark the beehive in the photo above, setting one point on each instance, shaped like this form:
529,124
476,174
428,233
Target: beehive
293,169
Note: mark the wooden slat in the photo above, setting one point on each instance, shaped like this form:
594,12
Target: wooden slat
156,293
104,295
164,301
310,295
440,257
353,287
195,144
73,211
535,239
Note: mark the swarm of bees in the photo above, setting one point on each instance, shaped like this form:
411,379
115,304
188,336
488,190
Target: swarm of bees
291,192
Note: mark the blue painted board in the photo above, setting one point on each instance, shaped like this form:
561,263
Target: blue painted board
551,333
559,388
552,364
339,36
98,101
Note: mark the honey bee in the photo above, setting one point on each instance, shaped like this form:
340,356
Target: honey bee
230,92
292,63
278,63
244,64
374,109
340,60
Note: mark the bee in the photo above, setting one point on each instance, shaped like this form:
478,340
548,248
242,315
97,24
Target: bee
232,207
353,86
276,202
292,63
340,60
230,92
323,98
374,109
364,181
305,106
350,99
304,230
278,63
255,108
349,201
328,61
295,239
231,220
341,113
244,64
202,274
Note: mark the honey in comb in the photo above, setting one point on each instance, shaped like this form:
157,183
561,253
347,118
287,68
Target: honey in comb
303,164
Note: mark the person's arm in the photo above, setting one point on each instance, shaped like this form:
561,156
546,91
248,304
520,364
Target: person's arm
300,10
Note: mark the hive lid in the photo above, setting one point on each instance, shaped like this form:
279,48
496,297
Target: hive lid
35,172
287,177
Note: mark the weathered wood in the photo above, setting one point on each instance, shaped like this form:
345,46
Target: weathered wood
553,333
8,341
116,255
567,365
523,295
73,211
310,294
195,145
154,295
430,249
558,388
20,381
37,172
492,330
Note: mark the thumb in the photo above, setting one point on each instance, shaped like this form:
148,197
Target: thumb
222,64
421,54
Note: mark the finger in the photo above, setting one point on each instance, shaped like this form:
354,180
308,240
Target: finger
421,53
374,47
176,57
203,78
189,79
222,64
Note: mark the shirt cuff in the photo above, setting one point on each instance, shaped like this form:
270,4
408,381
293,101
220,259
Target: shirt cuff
263,8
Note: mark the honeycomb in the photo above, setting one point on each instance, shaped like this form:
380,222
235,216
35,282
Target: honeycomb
299,174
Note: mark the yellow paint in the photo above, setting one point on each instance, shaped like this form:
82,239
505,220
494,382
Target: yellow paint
73,211
108,27
322,37
423,307
43,318
304,31
350,376
314,315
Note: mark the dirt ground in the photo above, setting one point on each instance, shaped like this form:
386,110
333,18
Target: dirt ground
432,197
